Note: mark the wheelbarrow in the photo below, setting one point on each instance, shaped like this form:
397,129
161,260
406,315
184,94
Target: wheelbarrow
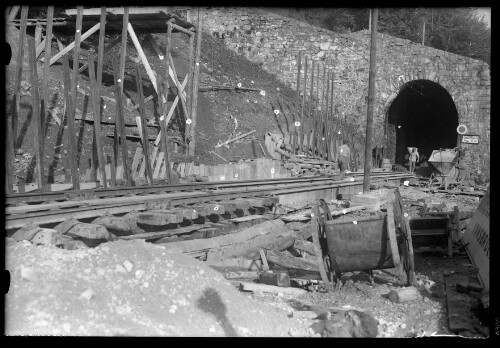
367,244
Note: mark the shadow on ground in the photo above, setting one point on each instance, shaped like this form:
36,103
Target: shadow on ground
211,303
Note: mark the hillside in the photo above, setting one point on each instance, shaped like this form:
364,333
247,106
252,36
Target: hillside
219,111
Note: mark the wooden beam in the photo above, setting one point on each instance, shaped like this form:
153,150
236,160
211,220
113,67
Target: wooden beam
46,71
162,57
121,122
9,147
71,119
40,47
145,142
38,35
163,131
19,72
13,12
189,97
172,108
179,88
36,113
196,77
73,44
94,88
119,10
121,73
104,51
143,57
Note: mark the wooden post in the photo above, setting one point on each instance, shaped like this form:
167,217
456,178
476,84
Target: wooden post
112,162
327,117
145,142
123,51
100,63
163,130
9,148
36,114
19,72
95,97
168,43
194,92
423,34
299,62
121,122
371,97
189,96
46,69
303,103
324,95
315,115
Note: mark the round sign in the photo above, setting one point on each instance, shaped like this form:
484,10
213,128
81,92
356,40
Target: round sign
461,129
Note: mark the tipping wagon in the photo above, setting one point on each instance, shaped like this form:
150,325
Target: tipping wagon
370,243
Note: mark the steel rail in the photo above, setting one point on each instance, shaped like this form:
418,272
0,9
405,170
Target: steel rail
32,197
112,206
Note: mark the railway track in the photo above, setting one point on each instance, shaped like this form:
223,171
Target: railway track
54,207
60,196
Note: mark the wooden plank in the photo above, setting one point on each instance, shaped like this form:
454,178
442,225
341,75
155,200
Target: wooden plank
120,128
189,96
306,214
194,105
145,142
19,72
172,108
178,85
151,160
36,114
9,147
74,43
123,50
163,131
229,239
283,260
136,161
71,119
143,57
158,165
46,70
95,97
156,235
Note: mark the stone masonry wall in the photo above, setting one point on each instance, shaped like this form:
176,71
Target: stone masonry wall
274,41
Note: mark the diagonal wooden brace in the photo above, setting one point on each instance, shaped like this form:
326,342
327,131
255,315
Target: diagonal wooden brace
72,45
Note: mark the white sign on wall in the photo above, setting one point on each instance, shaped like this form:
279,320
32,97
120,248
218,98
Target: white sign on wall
470,139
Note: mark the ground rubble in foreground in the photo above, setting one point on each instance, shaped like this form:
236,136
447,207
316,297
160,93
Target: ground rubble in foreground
135,288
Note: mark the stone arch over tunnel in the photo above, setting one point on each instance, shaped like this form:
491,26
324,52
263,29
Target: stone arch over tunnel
422,115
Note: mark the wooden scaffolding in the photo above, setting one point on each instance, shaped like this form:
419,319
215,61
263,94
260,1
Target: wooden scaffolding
82,23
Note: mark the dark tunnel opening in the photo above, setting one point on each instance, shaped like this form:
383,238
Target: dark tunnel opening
423,115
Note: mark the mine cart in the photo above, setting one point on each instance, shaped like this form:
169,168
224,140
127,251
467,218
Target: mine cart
371,243
444,160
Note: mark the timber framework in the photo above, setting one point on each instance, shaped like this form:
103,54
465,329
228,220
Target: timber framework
122,23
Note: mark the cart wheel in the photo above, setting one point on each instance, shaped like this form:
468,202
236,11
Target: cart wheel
405,242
